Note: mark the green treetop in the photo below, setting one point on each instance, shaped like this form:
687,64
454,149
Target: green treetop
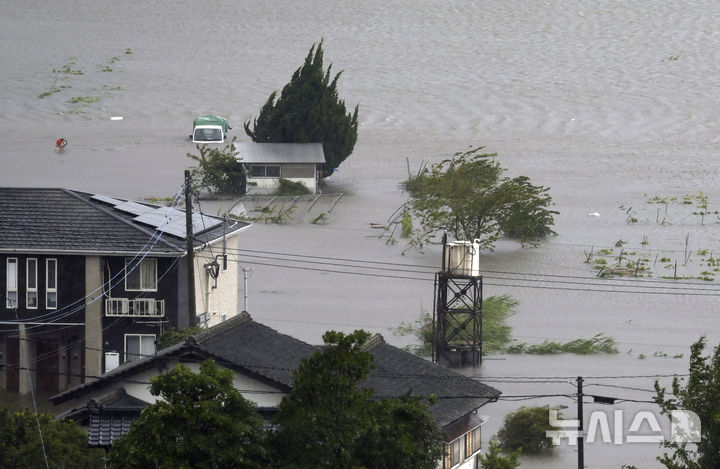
309,110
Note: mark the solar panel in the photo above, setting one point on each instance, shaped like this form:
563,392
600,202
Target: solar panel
106,199
172,221
134,208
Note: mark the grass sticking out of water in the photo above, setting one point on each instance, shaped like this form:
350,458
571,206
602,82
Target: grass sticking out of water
84,100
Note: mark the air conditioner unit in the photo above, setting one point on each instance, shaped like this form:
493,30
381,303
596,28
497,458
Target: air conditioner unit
112,361
462,258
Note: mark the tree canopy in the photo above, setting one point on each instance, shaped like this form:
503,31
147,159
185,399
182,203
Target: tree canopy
697,393
309,110
64,442
202,422
468,196
526,429
329,420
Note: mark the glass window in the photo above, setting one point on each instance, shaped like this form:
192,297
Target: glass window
457,451
51,283
272,171
141,277
11,294
31,294
138,346
265,171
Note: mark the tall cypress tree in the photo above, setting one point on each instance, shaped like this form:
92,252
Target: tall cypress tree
309,111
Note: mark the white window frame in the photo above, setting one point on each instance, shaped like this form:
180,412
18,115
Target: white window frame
132,267
31,283
142,353
51,273
14,277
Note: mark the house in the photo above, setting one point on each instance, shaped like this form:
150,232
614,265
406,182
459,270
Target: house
263,360
88,282
266,163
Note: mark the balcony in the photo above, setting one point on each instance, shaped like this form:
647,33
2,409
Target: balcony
135,308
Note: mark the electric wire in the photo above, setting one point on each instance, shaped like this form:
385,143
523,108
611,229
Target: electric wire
583,284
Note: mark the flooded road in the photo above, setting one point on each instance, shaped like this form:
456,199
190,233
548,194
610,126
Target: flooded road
613,106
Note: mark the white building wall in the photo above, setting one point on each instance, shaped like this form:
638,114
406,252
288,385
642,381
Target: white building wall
218,299
272,183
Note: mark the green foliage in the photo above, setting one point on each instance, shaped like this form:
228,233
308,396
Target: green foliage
468,196
174,335
287,187
493,459
407,225
218,170
525,428
496,333
201,422
698,393
329,421
309,111
599,343
64,441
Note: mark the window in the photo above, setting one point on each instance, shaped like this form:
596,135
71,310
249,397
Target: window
265,171
31,293
11,294
51,283
142,277
456,452
472,441
138,346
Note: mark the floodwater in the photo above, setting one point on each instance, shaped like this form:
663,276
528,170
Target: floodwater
609,104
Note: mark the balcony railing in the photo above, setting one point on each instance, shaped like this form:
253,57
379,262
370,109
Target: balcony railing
137,307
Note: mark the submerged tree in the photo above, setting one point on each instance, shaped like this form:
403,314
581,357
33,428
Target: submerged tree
698,393
201,422
309,111
468,196
218,170
526,429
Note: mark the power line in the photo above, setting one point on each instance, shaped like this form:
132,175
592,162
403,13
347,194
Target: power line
580,284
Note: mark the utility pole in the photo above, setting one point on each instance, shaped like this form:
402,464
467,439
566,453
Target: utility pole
245,272
190,250
580,437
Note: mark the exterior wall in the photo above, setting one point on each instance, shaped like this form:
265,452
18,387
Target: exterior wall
252,389
304,173
51,335
93,317
117,327
218,298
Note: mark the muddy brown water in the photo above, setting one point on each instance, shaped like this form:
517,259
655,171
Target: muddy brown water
608,104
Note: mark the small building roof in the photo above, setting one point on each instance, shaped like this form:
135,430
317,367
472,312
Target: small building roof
56,221
257,153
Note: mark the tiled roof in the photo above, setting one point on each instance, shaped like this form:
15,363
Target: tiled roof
61,220
107,418
105,428
397,372
255,347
